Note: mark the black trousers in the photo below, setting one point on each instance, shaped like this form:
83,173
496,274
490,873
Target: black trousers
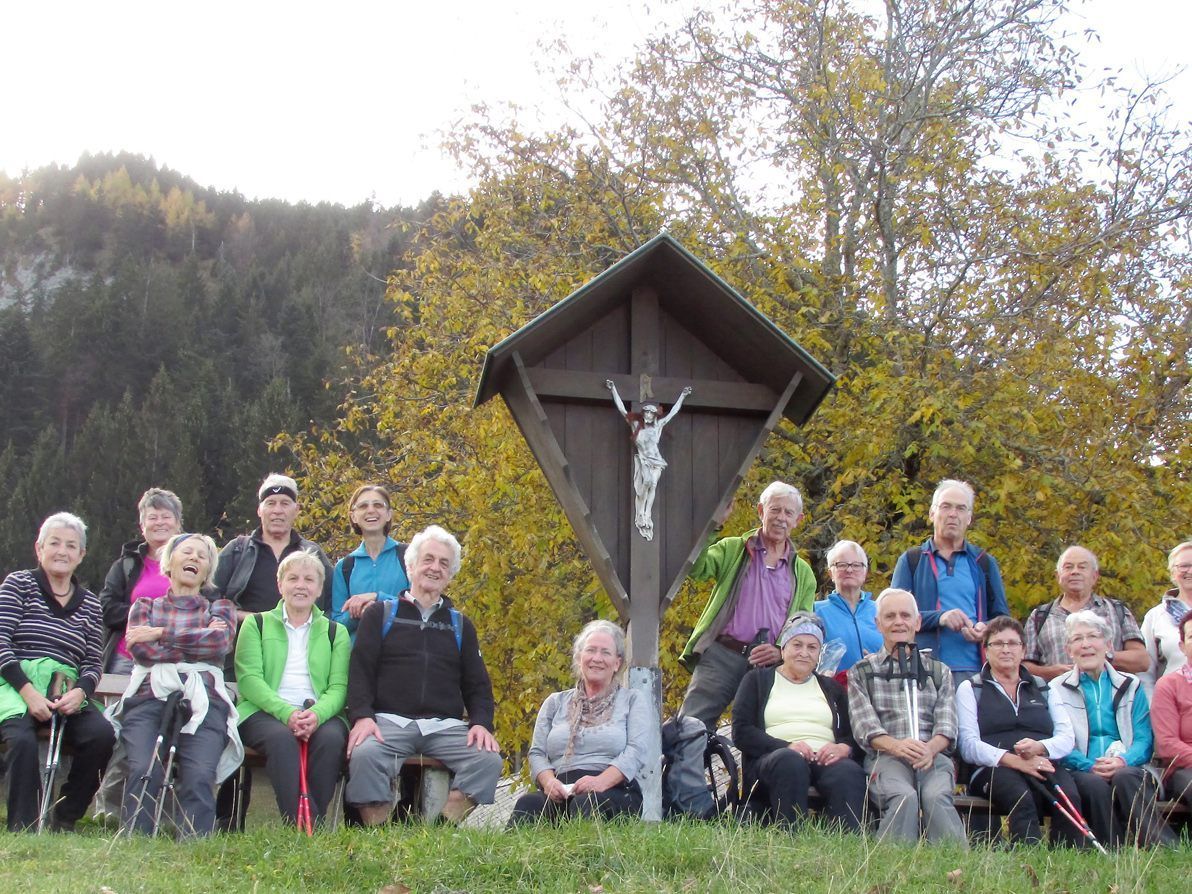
1121,810
620,800
785,776
1025,800
325,761
90,738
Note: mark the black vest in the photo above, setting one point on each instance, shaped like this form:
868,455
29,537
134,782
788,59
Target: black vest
999,725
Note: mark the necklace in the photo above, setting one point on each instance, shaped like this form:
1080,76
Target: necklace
62,595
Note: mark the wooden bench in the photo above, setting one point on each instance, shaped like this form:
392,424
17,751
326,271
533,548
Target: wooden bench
429,787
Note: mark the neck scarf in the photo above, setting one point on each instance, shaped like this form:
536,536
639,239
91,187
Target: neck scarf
585,711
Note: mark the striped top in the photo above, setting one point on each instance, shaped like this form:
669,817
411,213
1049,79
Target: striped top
34,625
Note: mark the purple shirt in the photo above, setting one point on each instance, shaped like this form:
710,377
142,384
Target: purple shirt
764,595
151,584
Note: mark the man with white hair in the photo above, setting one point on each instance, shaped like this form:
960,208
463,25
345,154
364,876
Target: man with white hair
760,582
247,571
956,584
911,774
1077,572
415,674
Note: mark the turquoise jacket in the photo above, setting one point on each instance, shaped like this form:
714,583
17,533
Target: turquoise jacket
261,658
722,561
385,575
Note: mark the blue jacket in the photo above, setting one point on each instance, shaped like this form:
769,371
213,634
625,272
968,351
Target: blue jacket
991,595
383,575
858,632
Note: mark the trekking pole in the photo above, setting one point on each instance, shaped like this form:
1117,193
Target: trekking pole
155,758
1074,816
173,725
57,687
304,818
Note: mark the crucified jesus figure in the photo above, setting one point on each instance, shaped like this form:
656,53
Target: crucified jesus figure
648,463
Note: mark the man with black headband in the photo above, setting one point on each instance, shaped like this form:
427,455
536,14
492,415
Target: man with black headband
247,572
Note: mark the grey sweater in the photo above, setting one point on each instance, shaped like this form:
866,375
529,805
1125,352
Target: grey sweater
620,743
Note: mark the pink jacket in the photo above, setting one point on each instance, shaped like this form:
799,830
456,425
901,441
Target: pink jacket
1171,718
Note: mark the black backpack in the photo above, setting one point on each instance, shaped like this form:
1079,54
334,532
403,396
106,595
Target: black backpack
699,771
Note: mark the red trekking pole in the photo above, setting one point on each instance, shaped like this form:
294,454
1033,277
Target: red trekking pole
305,818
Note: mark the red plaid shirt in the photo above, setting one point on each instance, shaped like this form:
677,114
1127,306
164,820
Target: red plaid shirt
186,636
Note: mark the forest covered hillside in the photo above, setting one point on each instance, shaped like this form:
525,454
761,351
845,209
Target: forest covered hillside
157,332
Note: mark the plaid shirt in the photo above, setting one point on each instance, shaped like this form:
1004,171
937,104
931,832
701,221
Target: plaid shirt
1049,645
187,636
877,705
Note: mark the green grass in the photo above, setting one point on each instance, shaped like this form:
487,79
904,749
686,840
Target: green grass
580,857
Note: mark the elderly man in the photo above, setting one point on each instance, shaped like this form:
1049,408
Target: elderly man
957,585
1046,634
760,582
910,770
414,675
247,571
1114,741
848,612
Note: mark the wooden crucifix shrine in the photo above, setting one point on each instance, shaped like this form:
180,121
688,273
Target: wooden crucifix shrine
654,324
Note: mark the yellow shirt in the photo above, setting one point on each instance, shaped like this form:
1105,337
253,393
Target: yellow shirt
799,712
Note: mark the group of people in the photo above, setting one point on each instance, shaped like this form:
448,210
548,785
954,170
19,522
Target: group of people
1079,714
359,665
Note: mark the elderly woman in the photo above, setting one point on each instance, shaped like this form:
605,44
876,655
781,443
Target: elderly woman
1171,717
1160,632
792,728
179,643
137,573
375,570
50,624
1111,719
292,669
1015,734
589,742
849,612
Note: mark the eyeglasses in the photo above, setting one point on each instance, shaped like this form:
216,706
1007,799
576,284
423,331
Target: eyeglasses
1182,567
849,566
1004,644
1086,638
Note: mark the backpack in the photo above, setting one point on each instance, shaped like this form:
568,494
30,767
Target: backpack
456,625
914,555
350,562
690,784
1042,613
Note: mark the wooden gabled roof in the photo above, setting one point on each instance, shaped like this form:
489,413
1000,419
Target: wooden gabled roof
708,307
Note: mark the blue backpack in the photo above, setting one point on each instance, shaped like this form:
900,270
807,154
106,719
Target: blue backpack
391,618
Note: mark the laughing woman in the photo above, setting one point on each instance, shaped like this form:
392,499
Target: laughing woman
50,624
375,570
589,742
179,643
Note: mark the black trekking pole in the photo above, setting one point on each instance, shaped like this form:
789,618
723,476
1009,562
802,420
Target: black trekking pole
174,723
57,688
155,758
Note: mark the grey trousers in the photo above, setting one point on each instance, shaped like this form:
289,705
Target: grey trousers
713,684
195,764
900,792
374,765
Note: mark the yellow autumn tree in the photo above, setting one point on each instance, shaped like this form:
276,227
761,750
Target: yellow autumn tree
1017,317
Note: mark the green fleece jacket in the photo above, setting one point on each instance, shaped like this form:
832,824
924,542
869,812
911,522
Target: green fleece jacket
722,561
261,659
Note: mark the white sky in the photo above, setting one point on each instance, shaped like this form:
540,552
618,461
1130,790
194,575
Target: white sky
345,101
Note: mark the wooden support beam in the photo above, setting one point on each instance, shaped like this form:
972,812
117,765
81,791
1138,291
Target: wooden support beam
707,394
527,412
